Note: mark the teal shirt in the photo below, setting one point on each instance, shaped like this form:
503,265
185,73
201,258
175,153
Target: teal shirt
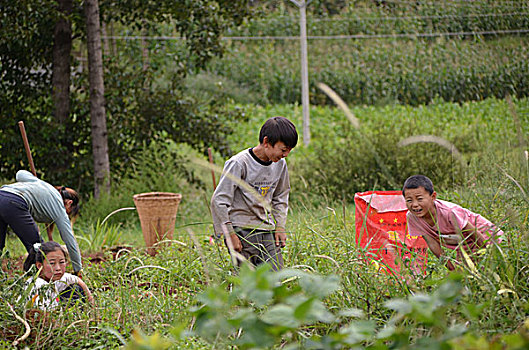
46,205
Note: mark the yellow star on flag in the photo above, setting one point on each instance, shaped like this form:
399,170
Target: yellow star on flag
395,221
381,220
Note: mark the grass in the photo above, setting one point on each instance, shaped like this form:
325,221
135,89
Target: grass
136,291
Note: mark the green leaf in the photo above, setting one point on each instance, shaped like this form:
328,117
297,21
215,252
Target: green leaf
358,331
302,310
400,305
282,315
351,313
255,335
320,286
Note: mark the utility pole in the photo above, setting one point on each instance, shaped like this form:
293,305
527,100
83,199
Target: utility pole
302,4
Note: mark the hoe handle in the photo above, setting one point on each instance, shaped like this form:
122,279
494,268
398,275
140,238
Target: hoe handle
26,146
212,172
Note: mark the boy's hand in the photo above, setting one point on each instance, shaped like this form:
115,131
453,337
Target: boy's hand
281,237
236,242
453,239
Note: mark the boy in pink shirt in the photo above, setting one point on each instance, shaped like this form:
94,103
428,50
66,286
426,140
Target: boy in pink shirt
442,223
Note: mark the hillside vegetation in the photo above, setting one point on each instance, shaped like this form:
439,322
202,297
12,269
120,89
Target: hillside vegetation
404,52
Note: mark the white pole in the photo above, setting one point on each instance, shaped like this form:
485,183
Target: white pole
304,72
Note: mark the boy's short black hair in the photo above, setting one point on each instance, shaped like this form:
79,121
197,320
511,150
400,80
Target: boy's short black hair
416,181
279,129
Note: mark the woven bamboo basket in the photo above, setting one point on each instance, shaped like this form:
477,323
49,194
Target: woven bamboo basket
157,212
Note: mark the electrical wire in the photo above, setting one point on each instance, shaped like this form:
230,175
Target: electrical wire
334,37
452,3
407,18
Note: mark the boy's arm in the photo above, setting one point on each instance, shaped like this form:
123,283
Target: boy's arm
475,237
435,247
86,291
222,198
280,207
281,236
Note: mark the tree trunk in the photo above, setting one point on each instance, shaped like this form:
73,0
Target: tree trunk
97,100
62,47
106,46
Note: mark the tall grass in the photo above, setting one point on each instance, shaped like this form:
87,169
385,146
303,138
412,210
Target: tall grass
134,290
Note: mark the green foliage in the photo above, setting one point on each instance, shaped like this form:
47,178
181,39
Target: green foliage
379,17
25,42
266,309
329,298
366,159
342,160
407,70
201,22
160,167
139,112
207,87
380,71
295,307
139,109
98,237
263,307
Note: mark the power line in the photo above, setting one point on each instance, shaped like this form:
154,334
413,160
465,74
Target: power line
418,35
477,15
392,18
452,3
332,37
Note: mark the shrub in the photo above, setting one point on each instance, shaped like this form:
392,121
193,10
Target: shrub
160,167
361,160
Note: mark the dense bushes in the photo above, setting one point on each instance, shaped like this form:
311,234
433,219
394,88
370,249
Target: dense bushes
139,111
162,166
361,160
345,160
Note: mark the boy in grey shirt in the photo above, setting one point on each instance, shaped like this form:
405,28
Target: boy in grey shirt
249,206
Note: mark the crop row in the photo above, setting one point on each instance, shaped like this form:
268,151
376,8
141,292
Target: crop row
381,71
397,18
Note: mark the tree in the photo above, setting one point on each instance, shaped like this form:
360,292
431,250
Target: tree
137,110
97,98
62,47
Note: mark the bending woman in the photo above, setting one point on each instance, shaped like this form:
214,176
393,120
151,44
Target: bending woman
30,200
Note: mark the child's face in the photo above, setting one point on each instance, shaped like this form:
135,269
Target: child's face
276,152
419,202
53,267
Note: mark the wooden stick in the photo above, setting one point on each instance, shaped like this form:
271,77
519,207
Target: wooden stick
26,146
49,228
212,172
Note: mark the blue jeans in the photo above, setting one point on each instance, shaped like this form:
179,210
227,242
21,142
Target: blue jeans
14,212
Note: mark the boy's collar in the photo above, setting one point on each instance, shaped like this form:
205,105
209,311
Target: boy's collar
257,159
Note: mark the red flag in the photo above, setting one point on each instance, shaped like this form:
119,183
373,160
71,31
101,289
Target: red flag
380,219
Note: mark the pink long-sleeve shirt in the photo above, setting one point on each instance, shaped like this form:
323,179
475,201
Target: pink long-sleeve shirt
451,219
